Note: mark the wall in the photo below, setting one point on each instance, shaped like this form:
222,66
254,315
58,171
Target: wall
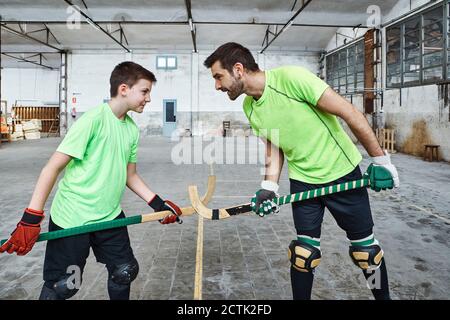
200,107
416,114
38,86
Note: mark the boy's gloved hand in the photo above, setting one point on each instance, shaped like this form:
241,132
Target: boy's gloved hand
26,233
159,204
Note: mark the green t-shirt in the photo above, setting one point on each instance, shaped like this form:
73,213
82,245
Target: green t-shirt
94,181
316,147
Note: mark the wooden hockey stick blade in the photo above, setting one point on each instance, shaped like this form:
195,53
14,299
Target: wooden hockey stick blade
215,214
187,211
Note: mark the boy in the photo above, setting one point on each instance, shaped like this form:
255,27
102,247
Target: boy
99,157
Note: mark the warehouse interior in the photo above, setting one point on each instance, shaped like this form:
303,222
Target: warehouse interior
390,59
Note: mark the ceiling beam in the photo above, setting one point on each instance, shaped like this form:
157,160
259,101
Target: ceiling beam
203,22
95,24
26,36
286,26
29,61
191,23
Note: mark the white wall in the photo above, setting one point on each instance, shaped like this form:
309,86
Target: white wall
37,85
191,84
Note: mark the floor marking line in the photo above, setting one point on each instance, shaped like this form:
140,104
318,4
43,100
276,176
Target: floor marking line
199,261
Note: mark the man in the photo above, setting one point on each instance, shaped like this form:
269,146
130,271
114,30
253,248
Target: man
295,113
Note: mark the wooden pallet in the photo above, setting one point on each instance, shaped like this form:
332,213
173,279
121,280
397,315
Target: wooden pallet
386,138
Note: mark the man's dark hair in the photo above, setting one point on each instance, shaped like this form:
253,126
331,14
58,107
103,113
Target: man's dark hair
128,73
229,54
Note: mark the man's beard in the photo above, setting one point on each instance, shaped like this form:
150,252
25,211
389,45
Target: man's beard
236,89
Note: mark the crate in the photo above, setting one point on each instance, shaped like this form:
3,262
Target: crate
386,138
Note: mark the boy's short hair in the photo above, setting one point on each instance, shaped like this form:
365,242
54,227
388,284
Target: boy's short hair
128,73
229,54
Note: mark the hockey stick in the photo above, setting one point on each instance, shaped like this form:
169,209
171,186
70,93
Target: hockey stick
187,211
223,213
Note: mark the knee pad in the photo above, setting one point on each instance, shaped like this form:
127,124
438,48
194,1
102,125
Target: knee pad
366,257
125,273
303,256
60,290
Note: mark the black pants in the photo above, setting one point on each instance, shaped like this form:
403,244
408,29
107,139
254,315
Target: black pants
67,256
350,209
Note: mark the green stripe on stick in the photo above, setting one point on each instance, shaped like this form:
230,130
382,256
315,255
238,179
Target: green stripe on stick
52,235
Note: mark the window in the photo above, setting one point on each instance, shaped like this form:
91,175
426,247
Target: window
166,62
345,69
415,49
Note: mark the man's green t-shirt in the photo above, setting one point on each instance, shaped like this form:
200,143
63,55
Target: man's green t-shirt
316,147
94,181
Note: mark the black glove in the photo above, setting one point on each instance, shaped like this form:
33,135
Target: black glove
159,204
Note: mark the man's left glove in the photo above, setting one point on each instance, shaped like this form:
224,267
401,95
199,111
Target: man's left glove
26,233
159,204
262,203
385,162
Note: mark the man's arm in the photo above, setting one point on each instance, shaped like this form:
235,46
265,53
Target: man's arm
137,185
274,159
47,179
333,103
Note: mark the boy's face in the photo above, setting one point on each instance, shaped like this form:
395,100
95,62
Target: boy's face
232,84
138,95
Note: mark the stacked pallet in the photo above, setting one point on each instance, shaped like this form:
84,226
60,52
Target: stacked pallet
32,129
18,133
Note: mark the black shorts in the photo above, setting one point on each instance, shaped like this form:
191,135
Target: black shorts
350,209
111,247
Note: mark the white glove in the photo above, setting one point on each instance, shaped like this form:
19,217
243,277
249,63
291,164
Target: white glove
385,161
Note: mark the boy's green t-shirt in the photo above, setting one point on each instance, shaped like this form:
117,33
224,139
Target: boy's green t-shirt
316,147
94,181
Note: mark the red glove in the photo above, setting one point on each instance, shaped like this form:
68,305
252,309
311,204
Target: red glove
159,204
26,233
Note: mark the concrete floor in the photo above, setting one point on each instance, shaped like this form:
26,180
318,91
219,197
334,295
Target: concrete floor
244,257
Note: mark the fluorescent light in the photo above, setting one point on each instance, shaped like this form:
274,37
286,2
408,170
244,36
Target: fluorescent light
288,25
88,20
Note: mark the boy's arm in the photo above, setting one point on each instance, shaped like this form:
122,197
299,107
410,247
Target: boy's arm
27,230
138,186
47,179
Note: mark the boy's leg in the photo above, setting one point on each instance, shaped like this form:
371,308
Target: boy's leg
112,247
351,210
304,252
64,263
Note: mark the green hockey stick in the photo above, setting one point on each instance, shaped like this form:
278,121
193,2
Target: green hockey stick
123,221
223,213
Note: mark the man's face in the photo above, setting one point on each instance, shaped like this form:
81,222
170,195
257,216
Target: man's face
139,94
225,81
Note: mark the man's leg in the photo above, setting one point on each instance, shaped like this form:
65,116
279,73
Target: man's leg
304,252
367,254
351,210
